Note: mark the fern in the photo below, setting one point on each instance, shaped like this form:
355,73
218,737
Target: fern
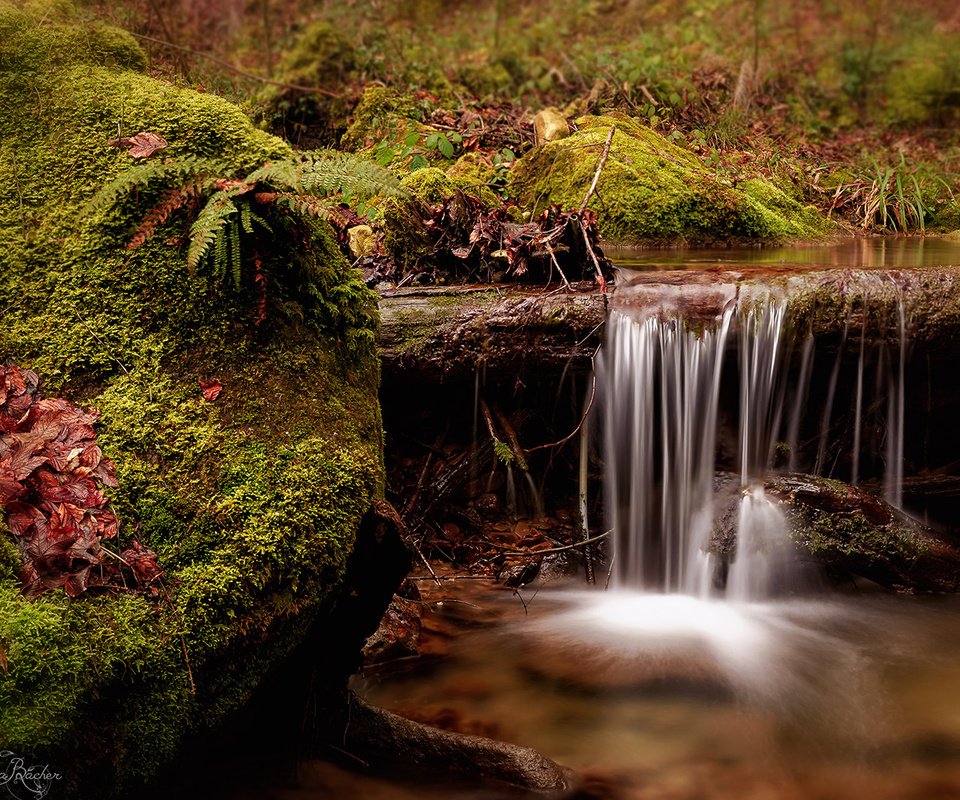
150,174
234,210
207,228
236,264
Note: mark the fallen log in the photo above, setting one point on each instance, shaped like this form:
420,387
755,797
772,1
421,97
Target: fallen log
449,332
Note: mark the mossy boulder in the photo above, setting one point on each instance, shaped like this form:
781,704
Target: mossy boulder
652,190
381,111
322,59
852,532
252,501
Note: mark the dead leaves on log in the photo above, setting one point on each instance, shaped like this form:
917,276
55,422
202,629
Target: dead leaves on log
52,475
471,242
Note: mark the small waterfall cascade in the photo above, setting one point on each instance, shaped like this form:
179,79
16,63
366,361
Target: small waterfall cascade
662,382
666,385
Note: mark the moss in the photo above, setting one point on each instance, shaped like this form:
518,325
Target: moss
485,80
251,502
924,86
324,58
27,49
379,109
406,239
473,173
651,189
833,537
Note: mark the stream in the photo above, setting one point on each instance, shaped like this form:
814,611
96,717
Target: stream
686,680
670,697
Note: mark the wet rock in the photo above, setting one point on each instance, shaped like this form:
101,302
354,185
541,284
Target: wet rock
549,126
854,533
399,633
519,570
488,505
388,741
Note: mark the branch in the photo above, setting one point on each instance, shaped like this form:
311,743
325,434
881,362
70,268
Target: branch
581,543
596,176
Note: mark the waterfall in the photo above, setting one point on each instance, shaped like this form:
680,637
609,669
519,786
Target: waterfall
661,381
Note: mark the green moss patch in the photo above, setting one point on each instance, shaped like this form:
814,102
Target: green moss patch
653,190
252,501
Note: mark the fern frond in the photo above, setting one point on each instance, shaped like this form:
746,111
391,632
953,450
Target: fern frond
150,175
304,205
253,216
245,220
284,174
171,201
235,261
330,172
220,254
208,227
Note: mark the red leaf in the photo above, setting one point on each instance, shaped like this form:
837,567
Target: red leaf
52,475
211,389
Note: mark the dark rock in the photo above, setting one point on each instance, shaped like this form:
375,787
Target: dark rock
519,570
387,741
488,504
855,533
398,635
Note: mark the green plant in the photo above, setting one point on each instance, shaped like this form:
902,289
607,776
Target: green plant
235,211
894,200
413,150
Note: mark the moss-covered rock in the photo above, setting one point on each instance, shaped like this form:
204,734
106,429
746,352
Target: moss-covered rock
406,238
380,110
322,59
251,502
653,190
852,532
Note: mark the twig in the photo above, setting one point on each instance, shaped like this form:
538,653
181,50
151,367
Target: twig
242,73
93,333
186,659
575,431
524,602
553,259
596,175
584,464
416,492
426,563
596,264
183,641
613,560
581,543
513,440
343,752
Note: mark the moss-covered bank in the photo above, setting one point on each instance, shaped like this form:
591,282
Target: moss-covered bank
252,501
651,190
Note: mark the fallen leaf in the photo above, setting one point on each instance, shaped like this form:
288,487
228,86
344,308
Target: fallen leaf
142,145
211,389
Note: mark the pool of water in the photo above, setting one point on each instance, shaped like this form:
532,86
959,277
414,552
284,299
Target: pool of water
867,253
653,696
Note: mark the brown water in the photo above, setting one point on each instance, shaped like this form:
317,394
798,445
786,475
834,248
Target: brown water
671,697
874,252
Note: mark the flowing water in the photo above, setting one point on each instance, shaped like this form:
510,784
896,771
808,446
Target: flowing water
699,677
